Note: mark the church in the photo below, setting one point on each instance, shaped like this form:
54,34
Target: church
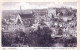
20,22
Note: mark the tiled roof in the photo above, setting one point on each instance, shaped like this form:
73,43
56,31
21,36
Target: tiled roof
26,15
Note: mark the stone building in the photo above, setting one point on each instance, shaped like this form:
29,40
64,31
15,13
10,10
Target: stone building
20,22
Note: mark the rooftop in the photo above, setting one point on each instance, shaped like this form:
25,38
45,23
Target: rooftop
26,15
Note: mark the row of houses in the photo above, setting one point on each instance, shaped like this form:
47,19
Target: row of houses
51,17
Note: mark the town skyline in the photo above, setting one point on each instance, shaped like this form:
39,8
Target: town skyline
37,5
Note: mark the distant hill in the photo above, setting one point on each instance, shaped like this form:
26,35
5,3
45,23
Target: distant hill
7,13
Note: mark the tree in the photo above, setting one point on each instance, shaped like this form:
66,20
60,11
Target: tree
40,38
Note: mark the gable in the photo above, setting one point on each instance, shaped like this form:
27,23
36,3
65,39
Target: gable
19,20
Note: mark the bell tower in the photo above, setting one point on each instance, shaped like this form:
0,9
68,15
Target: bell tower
20,10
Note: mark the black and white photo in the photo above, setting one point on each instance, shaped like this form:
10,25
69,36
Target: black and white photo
39,24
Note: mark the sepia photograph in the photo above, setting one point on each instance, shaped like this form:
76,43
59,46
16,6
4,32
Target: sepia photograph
39,24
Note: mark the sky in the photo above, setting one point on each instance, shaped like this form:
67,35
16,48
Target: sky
36,5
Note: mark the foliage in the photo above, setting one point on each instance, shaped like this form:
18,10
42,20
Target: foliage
40,37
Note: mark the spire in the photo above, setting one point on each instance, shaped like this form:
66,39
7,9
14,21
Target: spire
20,10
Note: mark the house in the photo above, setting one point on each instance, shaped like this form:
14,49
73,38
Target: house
51,12
24,20
27,19
20,22
40,14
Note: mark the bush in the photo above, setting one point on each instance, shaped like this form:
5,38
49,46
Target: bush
7,39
